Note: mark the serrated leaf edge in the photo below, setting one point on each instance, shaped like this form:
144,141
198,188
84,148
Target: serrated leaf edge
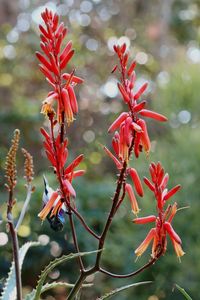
125,287
52,265
22,251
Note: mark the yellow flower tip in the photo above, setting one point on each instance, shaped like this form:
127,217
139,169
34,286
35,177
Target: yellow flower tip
136,212
41,216
47,109
138,253
178,249
144,245
70,120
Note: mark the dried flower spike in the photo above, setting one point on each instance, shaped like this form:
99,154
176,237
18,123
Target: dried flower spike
28,166
10,165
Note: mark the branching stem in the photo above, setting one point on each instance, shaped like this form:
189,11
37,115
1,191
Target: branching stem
15,245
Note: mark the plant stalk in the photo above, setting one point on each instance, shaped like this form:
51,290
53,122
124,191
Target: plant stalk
15,246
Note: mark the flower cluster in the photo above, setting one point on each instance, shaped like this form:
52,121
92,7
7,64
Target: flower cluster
57,154
163,226
132,134
53,60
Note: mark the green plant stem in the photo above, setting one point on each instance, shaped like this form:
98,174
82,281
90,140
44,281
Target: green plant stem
15,246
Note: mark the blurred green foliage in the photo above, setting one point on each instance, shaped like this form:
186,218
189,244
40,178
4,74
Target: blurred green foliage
164,37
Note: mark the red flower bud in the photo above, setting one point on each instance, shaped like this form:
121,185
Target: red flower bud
141,91
173,191
66,59
152,114
172,233
66,50
118,122
116,161
123,92
137,182
144,136
44,61
73,100
145,220
54,64
139,106
149,184
69,187
131,68
74,164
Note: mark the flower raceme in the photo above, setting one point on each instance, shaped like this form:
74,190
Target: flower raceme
62,97
53,60
58,157
163,226
133,133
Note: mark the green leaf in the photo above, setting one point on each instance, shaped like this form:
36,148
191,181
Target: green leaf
53,285
183,292
51,266
112,293
9,290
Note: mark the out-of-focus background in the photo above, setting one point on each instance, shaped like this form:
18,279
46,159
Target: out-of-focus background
163,36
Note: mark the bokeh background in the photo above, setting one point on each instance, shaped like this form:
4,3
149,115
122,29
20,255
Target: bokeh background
163,36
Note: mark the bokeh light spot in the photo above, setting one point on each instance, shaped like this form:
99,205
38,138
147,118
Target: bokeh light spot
3,238
184,116
92,44
110,88
89,136
141,58
95,158
43,239
9,52
24,231
86,6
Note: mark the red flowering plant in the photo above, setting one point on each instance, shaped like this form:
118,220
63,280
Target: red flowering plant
130,139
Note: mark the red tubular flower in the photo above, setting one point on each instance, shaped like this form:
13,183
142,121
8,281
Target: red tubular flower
149,184
153,115
115,143
173,191
144,136
137,182
123,144
131,68
141,91
118,122
177,248
52,64
47,208
138,129
116,161
54,58
163,221
144,220
172,233
133,201
144,245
